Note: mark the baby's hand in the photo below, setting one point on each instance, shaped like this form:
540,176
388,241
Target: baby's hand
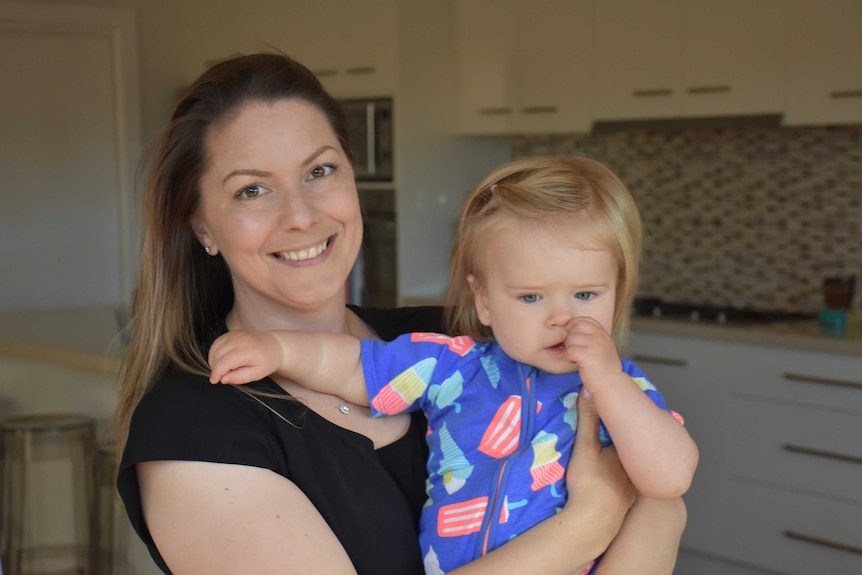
593,350
244,356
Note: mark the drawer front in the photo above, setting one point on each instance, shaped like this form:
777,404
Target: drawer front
793,533
821,379
795,446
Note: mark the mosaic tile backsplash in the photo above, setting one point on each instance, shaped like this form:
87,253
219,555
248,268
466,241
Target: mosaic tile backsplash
745,217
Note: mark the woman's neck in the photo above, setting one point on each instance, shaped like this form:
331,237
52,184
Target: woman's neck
332,316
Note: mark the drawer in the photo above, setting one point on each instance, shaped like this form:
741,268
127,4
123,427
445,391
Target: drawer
792,533
801,447
822,379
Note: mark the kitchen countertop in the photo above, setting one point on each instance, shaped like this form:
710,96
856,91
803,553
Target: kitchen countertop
79,338
802,334
88,338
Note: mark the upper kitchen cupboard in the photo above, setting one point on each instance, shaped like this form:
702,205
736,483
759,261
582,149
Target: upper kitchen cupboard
351,46
684,58
524,67
824,67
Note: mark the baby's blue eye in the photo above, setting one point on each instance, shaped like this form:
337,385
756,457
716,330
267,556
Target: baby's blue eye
530,298
584,295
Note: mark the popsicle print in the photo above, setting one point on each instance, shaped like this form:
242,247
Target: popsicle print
405,388
502,435
462,345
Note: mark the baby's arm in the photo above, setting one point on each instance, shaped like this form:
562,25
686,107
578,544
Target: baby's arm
657,452
325,362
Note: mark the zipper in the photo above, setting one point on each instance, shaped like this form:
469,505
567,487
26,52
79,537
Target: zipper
528,414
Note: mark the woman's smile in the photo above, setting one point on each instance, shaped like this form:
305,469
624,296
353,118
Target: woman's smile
315,252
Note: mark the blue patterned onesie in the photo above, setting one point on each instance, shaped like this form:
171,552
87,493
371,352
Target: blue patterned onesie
499,434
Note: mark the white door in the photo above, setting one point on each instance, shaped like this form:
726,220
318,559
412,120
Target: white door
69,143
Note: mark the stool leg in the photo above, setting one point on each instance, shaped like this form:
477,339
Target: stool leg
14,483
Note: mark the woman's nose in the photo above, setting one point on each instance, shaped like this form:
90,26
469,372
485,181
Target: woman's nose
298,211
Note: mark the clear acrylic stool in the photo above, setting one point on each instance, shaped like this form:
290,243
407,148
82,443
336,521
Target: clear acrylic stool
112,527
48,494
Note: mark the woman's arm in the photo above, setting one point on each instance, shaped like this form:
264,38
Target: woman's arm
323,361
213,519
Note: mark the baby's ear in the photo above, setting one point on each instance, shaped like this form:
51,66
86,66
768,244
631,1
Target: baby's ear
480,296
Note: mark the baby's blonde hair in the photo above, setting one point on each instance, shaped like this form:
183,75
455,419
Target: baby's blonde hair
539,189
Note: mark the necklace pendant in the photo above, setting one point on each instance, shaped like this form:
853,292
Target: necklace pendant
343,408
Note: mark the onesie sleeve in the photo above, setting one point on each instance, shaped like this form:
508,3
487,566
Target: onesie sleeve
408,373
647,387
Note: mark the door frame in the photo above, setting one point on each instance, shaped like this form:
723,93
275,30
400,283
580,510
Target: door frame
119,26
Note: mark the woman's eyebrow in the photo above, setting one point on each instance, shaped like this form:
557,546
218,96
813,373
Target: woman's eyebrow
316,153
247,172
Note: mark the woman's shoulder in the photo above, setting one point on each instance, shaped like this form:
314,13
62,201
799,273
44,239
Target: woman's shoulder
184,417
390,323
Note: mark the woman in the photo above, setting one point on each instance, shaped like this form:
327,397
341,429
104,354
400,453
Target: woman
252,221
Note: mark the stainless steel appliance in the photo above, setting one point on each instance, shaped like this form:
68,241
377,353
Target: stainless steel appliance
369,131
374,279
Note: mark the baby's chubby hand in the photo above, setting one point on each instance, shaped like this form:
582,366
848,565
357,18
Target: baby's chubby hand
593,350
240,356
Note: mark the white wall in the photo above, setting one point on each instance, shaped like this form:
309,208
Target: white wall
435,168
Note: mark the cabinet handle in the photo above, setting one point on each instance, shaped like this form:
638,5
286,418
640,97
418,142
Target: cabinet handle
709,90
821,380
325,73
361,70
494,111
823,542
539,110
662,360
821,453
652,93
846,94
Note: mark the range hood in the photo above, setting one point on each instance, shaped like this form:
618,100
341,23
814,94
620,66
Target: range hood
761,121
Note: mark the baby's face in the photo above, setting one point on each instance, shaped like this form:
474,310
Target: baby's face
536,277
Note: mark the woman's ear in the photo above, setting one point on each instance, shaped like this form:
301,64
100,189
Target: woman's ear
202,233
480,296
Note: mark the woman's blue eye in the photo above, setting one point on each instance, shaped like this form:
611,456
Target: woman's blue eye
251,192
530,298
584,295
321,171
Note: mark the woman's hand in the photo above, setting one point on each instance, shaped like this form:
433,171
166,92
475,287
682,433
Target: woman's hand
595,478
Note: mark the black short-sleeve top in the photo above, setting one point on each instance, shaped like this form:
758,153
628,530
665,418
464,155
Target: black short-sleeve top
370,498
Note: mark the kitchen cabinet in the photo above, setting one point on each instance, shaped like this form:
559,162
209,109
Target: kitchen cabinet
824,70
778,429
351,46
524,67
685,58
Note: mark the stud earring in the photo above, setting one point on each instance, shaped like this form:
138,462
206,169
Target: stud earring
207,249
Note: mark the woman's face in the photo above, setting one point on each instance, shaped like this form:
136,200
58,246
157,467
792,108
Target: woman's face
279,203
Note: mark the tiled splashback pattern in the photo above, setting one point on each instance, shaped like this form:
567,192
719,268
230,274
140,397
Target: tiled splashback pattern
747,218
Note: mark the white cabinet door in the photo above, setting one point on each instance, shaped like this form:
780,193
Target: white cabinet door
683,58
483,32
351,46
552,66
733,60
638,58
524,67
824,69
